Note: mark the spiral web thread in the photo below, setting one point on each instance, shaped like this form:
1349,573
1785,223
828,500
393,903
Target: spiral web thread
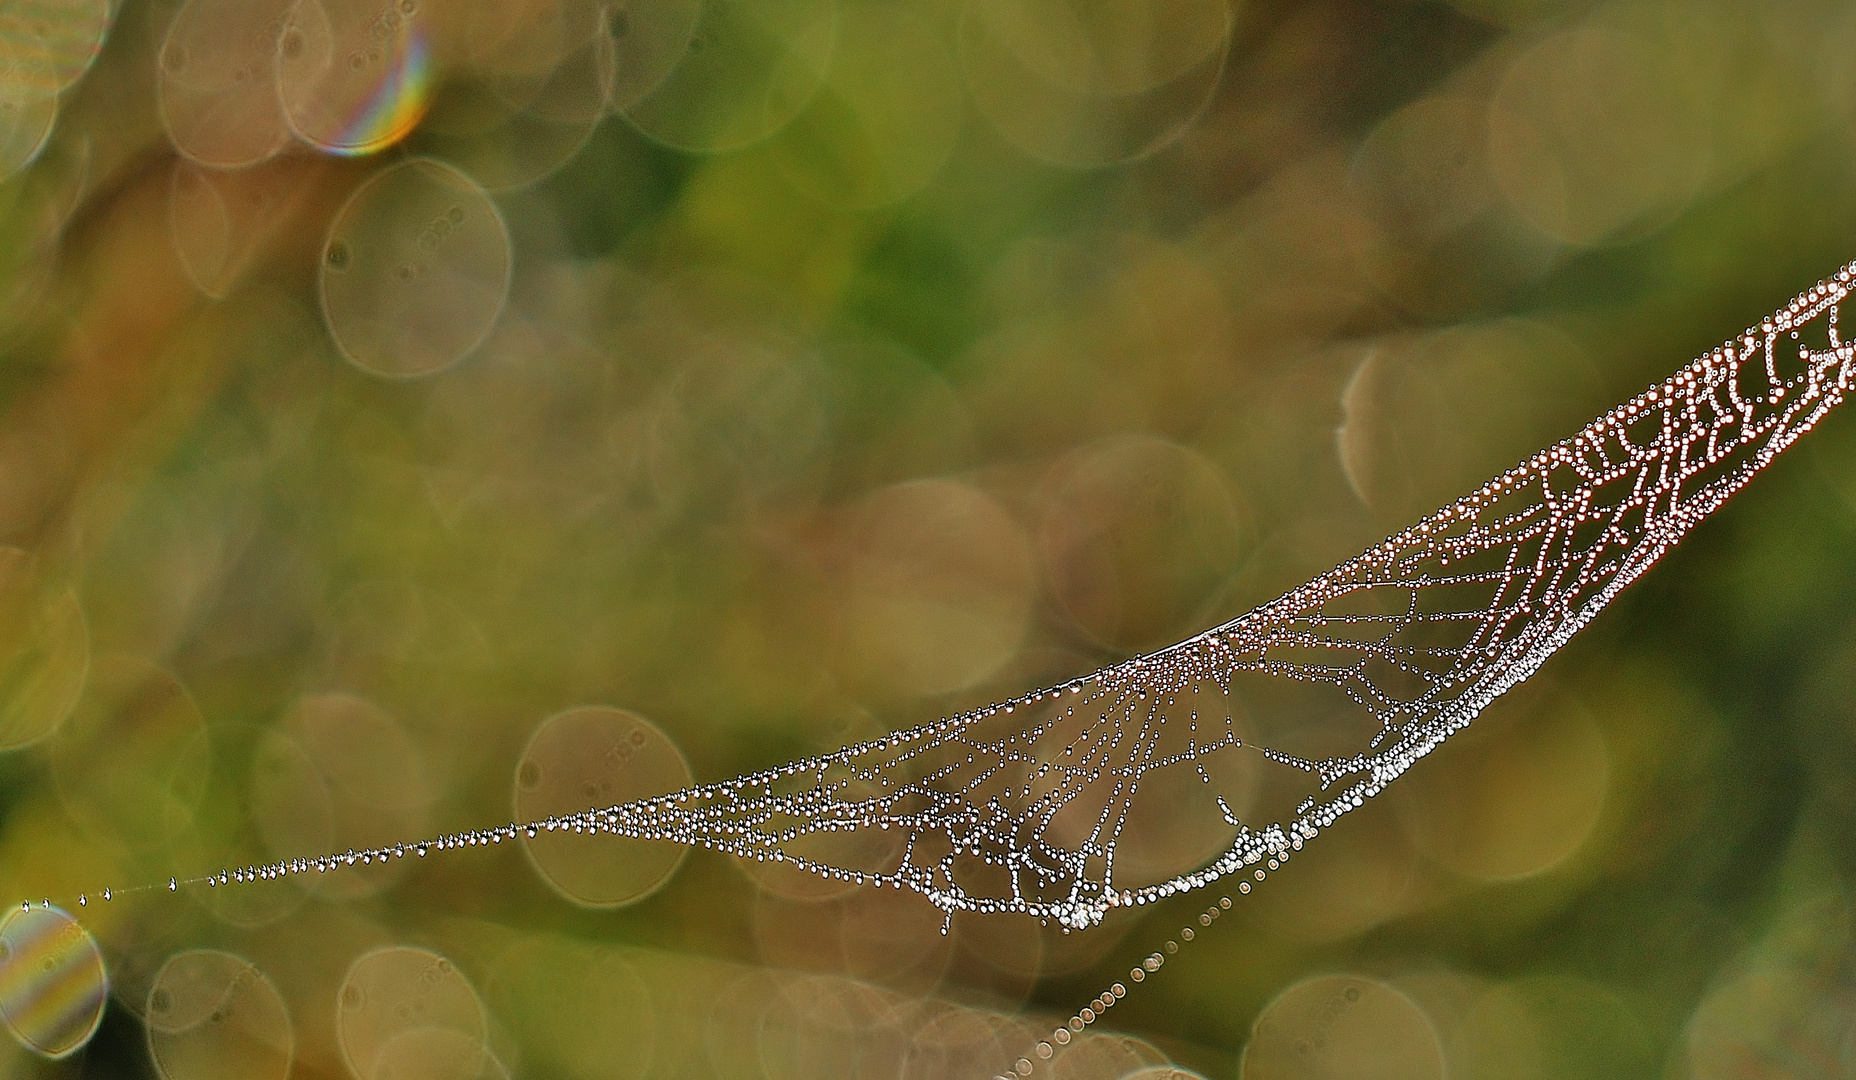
1261,732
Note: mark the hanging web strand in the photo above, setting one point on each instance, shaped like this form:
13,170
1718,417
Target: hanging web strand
1220,755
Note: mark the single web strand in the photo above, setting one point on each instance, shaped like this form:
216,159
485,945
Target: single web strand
1263,731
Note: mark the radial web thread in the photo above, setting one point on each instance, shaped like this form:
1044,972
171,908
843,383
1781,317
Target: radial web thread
1233,748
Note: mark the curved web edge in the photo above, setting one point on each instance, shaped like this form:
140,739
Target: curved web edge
1220,755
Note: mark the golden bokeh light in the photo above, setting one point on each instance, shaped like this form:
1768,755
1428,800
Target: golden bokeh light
418,416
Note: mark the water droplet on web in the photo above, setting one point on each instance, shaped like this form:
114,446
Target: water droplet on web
586,759
416,290
339,773
1437,610
52,982
1372,666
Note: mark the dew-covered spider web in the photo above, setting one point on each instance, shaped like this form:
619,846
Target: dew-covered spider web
1218,756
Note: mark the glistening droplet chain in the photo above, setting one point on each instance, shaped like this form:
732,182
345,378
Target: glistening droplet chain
1021,806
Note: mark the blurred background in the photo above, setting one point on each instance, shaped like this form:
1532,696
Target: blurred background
416,414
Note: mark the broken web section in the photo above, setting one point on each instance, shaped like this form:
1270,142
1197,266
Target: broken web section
1219,756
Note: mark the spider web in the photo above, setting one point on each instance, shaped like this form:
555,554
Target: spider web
1220,755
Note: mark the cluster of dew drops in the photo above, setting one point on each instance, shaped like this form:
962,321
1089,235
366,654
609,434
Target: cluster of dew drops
1709,371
